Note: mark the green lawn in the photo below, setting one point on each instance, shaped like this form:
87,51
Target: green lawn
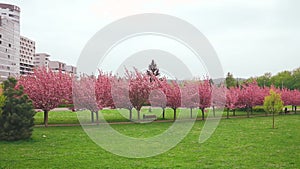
122,115
237,143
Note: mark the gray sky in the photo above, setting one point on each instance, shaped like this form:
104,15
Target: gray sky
250,37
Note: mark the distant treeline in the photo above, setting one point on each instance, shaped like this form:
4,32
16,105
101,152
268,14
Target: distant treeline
284,79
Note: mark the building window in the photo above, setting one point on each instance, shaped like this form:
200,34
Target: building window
9,45
8,56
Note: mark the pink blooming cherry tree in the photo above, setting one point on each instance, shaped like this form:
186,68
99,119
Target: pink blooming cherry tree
47,89
84,94
251,96
93,93
218,97
262,92
204,93
190,98
139,89
286,96
232,98
173,93
295,99
120,95
103,90
157,97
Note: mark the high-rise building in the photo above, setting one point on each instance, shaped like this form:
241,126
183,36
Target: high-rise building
27,52
9,40
41,60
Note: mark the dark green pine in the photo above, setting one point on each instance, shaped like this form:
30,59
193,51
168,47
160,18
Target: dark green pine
17,118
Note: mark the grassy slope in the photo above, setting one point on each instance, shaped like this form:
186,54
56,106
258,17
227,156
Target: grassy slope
237,143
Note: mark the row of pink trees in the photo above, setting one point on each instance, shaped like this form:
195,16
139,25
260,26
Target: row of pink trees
48,89
250,95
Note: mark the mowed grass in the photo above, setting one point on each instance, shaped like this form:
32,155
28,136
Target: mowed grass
122,115
116,115
236,143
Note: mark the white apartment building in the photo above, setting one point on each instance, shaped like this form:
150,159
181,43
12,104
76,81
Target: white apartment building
41,60
27,54
56,66
71,69
9,40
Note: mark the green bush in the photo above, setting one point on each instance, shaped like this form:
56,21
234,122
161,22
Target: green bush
2,100
65,105
258,109
17,118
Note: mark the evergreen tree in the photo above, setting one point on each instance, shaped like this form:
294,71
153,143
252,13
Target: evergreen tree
2,99
152,70
16,120
230,81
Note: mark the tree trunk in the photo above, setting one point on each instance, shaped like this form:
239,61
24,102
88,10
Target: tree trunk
163,113
202,110
46,118
273,120
248,113
138,115
191,112
214,112
150,109
174,114
92,116
295,109
97,118
285,110
228,113
130,114
234,112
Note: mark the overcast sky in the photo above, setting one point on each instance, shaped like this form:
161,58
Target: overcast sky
251,37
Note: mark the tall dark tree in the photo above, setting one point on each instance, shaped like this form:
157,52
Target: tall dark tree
296,79
265,80
283,80
16,120
153,70
2,99
230,81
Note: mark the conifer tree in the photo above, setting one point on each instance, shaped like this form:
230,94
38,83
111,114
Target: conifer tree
16,120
